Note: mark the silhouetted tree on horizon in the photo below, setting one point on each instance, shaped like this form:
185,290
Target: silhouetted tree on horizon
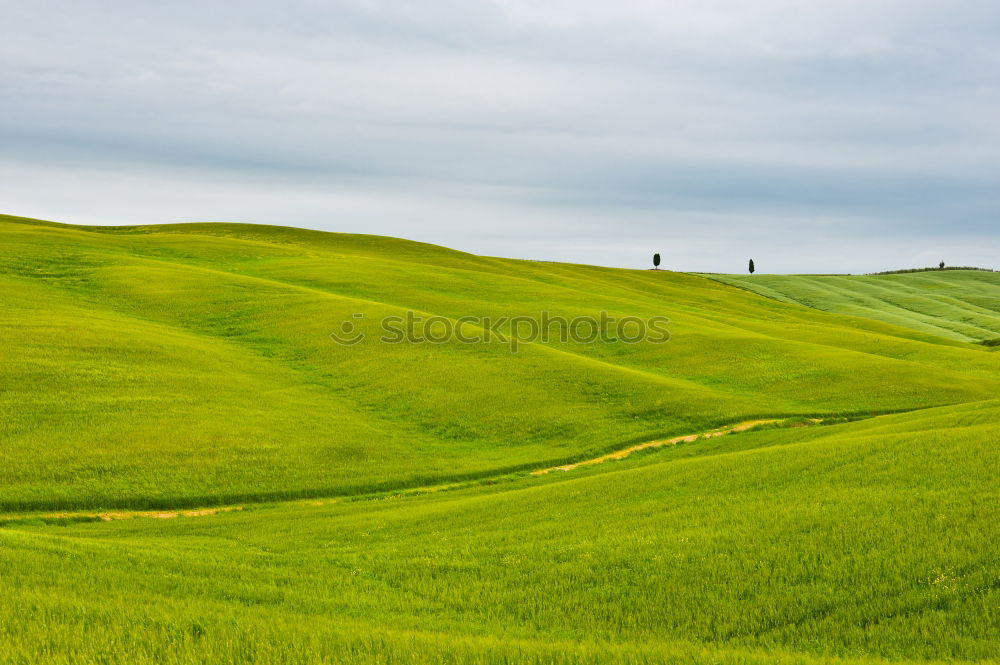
656,261
941,265
751,266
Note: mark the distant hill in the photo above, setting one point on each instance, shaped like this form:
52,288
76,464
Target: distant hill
929,269
959,304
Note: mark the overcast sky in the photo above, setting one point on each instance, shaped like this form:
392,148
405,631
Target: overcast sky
816,136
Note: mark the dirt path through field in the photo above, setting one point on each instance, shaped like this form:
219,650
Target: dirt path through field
689,438
108,516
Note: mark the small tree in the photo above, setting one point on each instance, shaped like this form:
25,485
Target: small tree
751,266
656,261
941,265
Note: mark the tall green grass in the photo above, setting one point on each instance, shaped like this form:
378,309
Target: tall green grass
866,541
175,366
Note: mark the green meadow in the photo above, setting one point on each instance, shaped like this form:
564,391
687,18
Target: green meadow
379,501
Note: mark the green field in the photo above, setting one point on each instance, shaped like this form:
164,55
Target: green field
189,366
957,304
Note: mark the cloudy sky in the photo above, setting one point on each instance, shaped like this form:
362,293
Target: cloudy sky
820,136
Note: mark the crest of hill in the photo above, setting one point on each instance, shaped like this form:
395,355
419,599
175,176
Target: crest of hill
353,243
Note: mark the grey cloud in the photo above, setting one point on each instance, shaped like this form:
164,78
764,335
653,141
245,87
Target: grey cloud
521,123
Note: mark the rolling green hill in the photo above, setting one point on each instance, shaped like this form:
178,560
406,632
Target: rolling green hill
378,505
193,364
957,304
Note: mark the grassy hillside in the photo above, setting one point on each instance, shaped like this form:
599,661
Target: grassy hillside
862,542
192,364
956,304
176,366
